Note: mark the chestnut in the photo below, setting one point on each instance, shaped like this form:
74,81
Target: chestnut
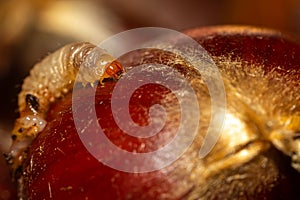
254,158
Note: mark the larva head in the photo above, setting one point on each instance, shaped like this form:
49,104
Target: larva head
97,66
108,68
114,70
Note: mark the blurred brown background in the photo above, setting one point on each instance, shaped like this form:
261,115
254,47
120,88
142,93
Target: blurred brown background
30,29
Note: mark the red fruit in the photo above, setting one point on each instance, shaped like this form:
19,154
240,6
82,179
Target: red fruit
261,72
62,167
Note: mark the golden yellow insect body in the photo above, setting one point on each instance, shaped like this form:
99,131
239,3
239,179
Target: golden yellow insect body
49,80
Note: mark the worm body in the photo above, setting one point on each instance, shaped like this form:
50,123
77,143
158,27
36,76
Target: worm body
49,80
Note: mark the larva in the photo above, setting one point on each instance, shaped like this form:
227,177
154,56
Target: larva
49,80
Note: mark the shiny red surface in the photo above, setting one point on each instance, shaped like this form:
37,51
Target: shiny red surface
60,167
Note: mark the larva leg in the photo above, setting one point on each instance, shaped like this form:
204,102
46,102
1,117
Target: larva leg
296,153
49,80
289,143
288,140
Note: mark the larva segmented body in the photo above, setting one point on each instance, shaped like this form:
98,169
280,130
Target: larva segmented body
49,80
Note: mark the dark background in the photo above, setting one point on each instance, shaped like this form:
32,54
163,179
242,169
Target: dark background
30,29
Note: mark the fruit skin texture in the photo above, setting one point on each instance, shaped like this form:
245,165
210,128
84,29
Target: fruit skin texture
258,45
81,175
58,165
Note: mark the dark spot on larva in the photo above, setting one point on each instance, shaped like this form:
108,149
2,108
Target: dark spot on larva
32,101
13,137
8,158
